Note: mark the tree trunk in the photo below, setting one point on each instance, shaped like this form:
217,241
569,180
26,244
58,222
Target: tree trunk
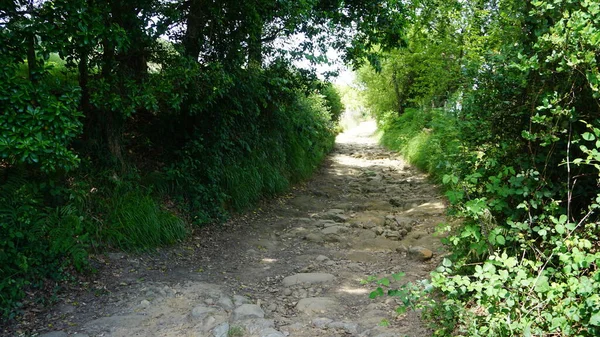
398,92
131,61
193,32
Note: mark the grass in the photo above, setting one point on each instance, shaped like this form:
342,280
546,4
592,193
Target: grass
235,331
137,222
426,139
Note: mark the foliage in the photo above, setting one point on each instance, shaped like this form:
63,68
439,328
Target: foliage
37,124
216,116
38,242
521,168
333,100
254,152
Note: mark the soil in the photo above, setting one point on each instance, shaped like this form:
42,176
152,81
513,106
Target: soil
295,266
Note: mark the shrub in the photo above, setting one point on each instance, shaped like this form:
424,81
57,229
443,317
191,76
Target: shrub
39,242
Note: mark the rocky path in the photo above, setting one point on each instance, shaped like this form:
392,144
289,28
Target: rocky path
294,267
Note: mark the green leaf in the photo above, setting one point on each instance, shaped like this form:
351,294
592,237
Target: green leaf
376,293
384,281
398,276
595,319
588,136
500,240
446,179
563,219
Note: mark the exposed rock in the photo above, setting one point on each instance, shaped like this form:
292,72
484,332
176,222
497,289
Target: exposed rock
325,223
392,235
314,305
239,300
355,267
307,278
247,311
335,215
270,332
321,322
226,303
335,230
333,238
348,327
222,330
322,258
313,237
200,312
256,325
420,253
368,220
210,322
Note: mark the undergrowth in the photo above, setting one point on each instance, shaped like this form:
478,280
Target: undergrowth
428,139
265,136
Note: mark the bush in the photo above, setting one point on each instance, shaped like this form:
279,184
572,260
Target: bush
270,134
524,177
428,139
39,242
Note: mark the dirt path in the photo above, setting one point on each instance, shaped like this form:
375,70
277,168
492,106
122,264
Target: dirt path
292,268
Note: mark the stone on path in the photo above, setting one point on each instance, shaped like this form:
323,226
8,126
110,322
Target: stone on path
201,312
247,311
226,303
321,322
256,325
334,230
313,237
221,330
239,300
270,332
307,278
335,215
313,305
322,258
325,223
420,253
348,327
